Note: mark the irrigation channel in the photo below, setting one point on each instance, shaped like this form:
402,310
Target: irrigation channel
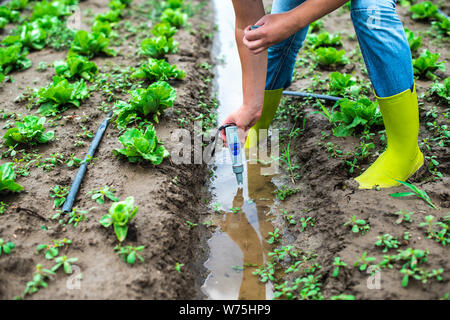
240,238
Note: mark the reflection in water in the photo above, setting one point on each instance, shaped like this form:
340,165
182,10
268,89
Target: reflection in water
240,238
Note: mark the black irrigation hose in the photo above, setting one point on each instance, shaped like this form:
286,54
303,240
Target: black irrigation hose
82,170
311,95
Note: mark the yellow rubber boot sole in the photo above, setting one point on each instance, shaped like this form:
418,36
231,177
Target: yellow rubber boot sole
272,100
402,157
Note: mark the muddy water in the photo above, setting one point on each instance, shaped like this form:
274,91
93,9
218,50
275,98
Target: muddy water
242,213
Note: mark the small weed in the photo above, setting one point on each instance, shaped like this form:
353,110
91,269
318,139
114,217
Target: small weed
403,216
339,264
387,241
358,225
129,253
364,261
59,193
102,194
6,247
415,191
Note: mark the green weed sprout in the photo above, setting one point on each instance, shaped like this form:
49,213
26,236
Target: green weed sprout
415,191
178,266
403,216
284,192
305,221
339,264
64,262
364,261
129,253
6,247
387,241
102,194
274,236
39,280
358,225
52,250
3,207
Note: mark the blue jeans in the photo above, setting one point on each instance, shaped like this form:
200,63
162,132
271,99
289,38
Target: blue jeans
381,38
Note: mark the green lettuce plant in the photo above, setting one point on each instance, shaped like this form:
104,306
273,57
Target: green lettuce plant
140,146
414,42
341,84
7,15
76,66
164,29
28,35
111,16
441,90
29,131
17,4
91,44
325,39
424,11
158,47
51,8
153,100
329,56
56,97
58,35
119,216
175,17
156,70
362,113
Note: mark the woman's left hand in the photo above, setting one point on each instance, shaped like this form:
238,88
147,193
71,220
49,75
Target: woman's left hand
273,29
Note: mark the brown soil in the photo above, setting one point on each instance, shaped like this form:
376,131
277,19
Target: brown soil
167,195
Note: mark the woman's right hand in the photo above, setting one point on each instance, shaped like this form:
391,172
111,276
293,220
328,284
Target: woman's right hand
244,118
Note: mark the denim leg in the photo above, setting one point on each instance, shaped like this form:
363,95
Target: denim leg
383,45
282,56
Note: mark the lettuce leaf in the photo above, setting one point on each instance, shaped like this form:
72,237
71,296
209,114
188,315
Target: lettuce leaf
7,177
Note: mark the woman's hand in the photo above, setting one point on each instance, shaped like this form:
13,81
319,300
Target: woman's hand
273,29
244,118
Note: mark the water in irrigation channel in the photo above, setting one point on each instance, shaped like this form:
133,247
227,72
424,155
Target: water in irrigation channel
240,237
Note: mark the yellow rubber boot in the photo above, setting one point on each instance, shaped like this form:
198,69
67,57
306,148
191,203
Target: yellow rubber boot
402,157
272,100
